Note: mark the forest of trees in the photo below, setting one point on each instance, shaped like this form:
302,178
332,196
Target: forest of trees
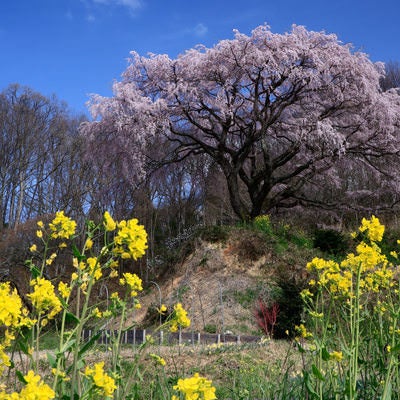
265,123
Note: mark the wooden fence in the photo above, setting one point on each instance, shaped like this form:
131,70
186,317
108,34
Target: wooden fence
138,336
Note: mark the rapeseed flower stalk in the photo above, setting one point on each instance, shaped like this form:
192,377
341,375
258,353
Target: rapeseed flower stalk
71,376
179,318
158,359
351,305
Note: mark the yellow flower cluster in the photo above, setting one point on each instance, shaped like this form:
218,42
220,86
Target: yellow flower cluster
336,356
373,228
195,388
12,316
303,332
94,268
158,360
109,223
62,226
130,240
4,357
180,318
64,290
104,384
369,264
12,312
133,281
34,389
43,297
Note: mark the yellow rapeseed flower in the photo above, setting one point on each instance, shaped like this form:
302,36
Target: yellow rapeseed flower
373,228
159,360
196,387
133,281
163,309
94,267
43,297
336,356
88,244
64,290
130,240
35,389
62,226
302,330
109,223
50,260
179,319
104,384
12,312
97,313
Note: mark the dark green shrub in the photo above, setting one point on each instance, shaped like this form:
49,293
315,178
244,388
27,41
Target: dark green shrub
214,234
331,241
290,308
210,328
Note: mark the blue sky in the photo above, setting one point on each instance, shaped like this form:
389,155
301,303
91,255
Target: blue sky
72,48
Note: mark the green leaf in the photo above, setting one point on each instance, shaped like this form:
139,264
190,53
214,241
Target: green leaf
76,252
52,360
69,317
93,339
35,271
24,347
67,346
20,377
309,387
317,373
325,354
387,395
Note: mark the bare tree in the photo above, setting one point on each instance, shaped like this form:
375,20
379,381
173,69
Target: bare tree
41,168
391,78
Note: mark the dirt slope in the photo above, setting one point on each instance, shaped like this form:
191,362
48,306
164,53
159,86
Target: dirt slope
220,282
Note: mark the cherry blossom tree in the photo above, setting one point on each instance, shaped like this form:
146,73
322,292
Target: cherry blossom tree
277,113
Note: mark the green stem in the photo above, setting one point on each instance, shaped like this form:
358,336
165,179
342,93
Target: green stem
355,337
78,336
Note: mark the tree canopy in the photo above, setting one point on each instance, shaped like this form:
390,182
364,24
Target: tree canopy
280,114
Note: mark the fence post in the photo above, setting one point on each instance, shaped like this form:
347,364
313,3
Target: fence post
161,341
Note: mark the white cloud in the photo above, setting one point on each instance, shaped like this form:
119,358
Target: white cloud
200,30
131,4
